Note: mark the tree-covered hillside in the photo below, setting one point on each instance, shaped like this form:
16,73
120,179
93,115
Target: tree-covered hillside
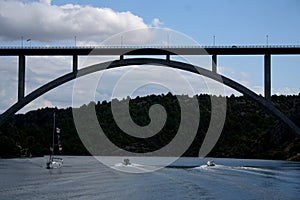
249,130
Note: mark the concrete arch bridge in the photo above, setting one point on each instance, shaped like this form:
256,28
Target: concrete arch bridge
121,51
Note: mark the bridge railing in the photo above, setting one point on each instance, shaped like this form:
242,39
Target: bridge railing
150,46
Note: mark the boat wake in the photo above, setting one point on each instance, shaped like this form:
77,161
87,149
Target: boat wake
210,167
133,167
241,169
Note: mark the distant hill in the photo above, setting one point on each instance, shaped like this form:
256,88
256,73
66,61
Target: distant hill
249,130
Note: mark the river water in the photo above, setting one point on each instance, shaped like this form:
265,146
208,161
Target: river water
188,178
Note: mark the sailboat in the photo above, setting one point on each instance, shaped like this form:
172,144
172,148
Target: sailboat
55,162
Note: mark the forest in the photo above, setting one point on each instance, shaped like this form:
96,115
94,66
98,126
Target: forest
249,130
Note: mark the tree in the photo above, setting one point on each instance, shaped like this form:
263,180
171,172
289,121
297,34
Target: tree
8,147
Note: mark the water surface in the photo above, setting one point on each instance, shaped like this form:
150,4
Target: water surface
188,178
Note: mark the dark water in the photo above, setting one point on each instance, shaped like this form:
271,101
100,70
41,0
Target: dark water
187,178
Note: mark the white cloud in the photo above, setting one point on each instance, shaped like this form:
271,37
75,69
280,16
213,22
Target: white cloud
227,71
245,79
44,22
41,102
8,81
48,2
257,89
242,78
156,22
286,91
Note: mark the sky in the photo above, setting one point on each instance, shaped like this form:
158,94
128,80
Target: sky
216,22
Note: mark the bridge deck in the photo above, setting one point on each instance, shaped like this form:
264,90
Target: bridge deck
149,50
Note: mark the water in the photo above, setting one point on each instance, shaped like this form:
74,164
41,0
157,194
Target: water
187,178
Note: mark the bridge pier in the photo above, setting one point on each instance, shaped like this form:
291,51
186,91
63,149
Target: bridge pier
75,63
21,80
267,77
168,57
214,63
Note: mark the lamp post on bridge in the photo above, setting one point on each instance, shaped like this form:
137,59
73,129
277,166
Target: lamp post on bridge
29,40
214,40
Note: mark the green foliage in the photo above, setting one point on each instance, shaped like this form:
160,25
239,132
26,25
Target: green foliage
249,131
8,148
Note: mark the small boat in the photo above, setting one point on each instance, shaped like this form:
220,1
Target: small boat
210,163
55,162
126,162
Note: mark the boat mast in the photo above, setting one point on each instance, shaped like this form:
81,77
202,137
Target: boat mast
53,133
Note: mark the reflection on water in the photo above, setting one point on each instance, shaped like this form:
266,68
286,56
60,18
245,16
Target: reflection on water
187,178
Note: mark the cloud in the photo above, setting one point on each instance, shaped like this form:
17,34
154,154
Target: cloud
48,2
41,102
242,78
8,82
145,80
41,21
227,71
156,22
286,91
245,79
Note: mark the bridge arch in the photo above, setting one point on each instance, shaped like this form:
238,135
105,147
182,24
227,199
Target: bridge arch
143,61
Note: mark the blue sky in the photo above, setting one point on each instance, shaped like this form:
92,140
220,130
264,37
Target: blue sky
231,22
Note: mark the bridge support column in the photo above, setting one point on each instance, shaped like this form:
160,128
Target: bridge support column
21,80
214,63
75,63
168,57
267,76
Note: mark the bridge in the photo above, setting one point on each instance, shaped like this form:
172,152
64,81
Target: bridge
167,51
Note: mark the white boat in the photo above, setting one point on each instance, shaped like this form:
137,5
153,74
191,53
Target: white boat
210,163
55,162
